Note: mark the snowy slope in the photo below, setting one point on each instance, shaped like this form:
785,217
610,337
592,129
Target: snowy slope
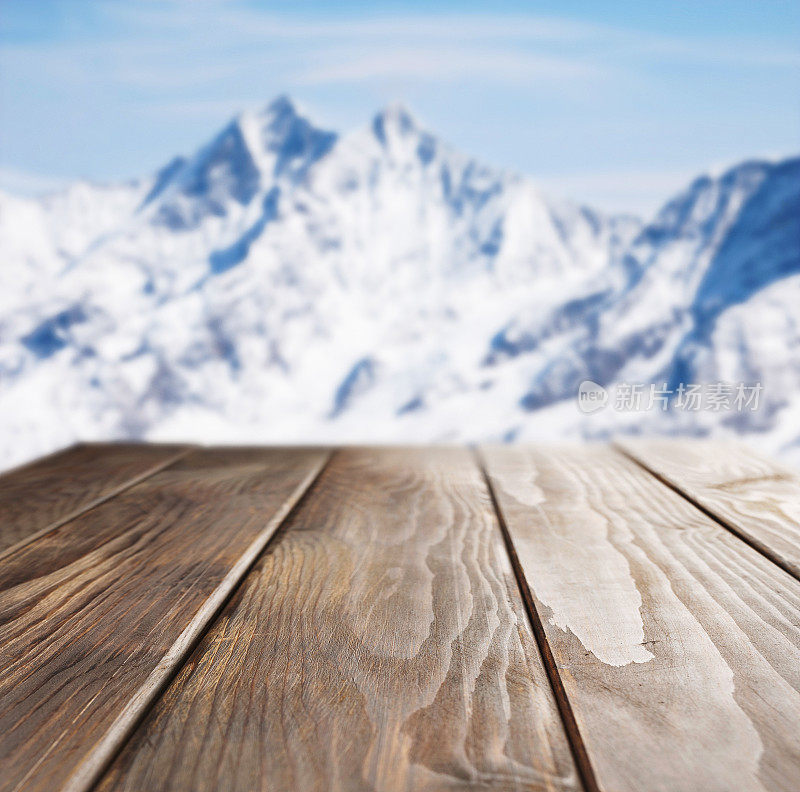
286,283
711,298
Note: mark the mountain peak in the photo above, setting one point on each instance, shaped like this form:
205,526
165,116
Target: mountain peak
286,136
395,120
242,161
281,108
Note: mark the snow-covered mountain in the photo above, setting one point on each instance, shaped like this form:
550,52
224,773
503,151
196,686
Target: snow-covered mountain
710,299
286,283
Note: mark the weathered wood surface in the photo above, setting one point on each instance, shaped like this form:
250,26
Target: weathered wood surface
380,644
96,614
47,493
678,645
755,497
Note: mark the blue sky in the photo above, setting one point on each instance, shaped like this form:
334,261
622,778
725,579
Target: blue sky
615,103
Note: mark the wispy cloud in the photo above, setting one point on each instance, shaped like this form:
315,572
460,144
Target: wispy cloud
446,64
430,49
231,18
173,45
233,21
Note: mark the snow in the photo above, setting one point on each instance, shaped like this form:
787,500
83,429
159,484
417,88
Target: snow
289,284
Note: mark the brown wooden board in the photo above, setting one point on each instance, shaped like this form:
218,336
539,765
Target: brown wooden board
677,644
47,493
97,614
380,644
755,497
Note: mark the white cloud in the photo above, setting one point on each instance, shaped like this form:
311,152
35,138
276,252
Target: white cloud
231,18
445,64
174,45
233,22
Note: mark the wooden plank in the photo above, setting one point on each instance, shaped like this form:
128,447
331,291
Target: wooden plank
381,643
42,495
753,496
96,615
678,645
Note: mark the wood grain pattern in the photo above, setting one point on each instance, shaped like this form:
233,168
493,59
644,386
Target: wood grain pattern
380,644
755,497
678,645
95,614
40,496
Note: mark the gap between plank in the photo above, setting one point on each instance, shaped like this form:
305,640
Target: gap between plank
97,501
91,769
728,526
574,738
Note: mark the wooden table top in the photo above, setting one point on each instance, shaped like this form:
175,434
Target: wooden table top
507,618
